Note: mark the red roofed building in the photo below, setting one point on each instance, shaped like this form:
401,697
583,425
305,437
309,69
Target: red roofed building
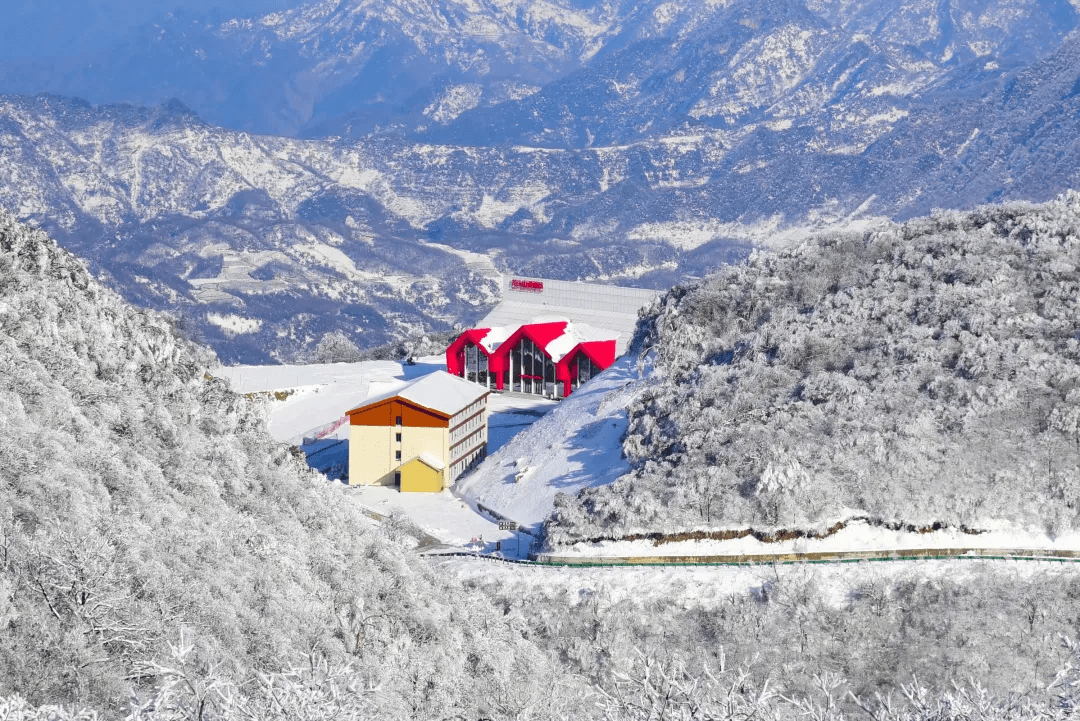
548,357
547,337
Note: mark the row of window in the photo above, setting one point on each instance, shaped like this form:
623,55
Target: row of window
476,360
467,427
531,370
472,410
530,362
470,438
581,370
467,462
476,438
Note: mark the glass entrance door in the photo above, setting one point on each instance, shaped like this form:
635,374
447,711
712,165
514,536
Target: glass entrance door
531,369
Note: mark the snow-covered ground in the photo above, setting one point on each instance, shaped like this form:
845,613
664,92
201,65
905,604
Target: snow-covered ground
576,446
321,394
857,536
710,587
445,517
511,414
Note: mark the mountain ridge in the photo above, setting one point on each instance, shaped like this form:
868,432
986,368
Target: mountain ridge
691,136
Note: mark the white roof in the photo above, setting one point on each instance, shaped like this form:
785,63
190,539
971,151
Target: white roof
576,333
432,460
438,391
601,306
573,334
496,336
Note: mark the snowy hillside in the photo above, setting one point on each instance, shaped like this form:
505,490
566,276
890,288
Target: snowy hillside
143,504
919,374
264,244
576,446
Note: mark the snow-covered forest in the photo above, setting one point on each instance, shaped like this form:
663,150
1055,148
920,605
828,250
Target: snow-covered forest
161,557
144,506
871,627
925,373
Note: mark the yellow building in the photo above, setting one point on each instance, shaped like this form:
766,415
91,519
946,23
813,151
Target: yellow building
423,474
420,437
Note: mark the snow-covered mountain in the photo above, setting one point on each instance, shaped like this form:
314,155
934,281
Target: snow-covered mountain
265,243
567,73
849,70
269,242
925,373
629,143
379,60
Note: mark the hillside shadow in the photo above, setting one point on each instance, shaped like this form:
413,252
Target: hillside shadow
329,456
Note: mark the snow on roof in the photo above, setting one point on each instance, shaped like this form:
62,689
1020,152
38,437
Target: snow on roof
496,336
601,306
432,460
574,334
438,391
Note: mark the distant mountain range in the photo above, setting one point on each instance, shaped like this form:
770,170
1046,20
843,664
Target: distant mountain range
380,60
406,152
556,72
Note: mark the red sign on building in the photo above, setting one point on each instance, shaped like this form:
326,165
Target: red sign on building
528,286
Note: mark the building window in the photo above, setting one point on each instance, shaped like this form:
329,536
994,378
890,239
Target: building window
531,368
397,455
582,369
398,438
397,422
476,365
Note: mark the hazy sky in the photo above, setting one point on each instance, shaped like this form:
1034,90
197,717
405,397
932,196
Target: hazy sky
43,28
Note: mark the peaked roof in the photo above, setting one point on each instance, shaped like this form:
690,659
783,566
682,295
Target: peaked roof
558,336
438,391
430,460
489,338
576,334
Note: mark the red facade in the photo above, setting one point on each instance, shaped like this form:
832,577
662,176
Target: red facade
455,354
497,364
386,413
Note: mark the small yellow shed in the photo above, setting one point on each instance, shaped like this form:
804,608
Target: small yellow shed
423,474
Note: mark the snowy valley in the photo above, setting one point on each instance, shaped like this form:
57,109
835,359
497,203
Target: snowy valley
860,389
176,486
835,475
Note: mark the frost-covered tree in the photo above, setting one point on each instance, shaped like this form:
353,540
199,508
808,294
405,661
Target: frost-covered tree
335,347
920,373
141,500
